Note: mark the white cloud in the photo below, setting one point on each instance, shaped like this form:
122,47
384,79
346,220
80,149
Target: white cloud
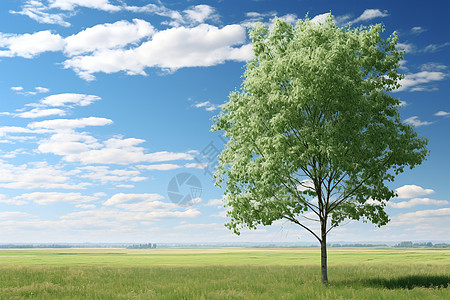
131,198
117,47
86,206
41,109
160,167
320,18
94,4
122,152
290,18
104,174
39,175
411,48
14,215
13,201
159,10
37,90
190,17
414,121
214,226
40,89
407,47
208,106
108,36
418,81
64,124
201,13
69,98
29,45
5,130
215,202
417,201
370,14
442,113
433,67
37,11
201,166
84,148
39,113
422,216
412,191
417,30
254,17
45,198
171,49
434,47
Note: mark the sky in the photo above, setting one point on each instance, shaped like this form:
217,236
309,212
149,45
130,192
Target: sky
107,105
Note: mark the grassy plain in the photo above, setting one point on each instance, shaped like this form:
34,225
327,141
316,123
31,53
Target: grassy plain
226,273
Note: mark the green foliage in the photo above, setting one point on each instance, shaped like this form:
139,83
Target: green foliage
313,129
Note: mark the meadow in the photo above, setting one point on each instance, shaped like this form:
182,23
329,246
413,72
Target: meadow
224,273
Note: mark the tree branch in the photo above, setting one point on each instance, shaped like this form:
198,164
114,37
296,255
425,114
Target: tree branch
298,223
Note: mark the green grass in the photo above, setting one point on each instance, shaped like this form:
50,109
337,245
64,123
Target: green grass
223,274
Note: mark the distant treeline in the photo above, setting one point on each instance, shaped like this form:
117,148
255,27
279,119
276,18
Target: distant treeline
143,246
409,244
357,245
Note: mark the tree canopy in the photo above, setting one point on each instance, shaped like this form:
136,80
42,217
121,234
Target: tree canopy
313,130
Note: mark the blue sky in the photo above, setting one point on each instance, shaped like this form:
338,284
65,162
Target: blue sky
104,102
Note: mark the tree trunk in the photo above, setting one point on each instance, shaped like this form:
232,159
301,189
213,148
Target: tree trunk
323,255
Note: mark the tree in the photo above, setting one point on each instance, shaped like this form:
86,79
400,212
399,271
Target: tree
313,135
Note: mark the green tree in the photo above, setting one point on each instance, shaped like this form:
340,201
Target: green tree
313,131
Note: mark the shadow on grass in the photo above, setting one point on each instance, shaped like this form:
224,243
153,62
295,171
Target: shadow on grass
409,282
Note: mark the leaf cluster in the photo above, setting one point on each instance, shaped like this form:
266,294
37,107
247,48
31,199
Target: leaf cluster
313,127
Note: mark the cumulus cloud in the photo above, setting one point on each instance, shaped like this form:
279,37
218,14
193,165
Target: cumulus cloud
37,90
419,81
414,121
170,49
412,191
94,4
74,146
208,106
215,202
14,215
108,36
37,11
45,198
132,47
407,47
38,175
417,30
435,47
105,174
320,18
417,201
59,100
30,45
122,198
442,113
39,113
68,99
160,167
64,124
370,14
422,216
201,13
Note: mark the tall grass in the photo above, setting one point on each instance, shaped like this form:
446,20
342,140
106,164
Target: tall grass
368,280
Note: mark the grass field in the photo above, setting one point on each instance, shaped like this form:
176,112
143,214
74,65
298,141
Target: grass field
228,273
